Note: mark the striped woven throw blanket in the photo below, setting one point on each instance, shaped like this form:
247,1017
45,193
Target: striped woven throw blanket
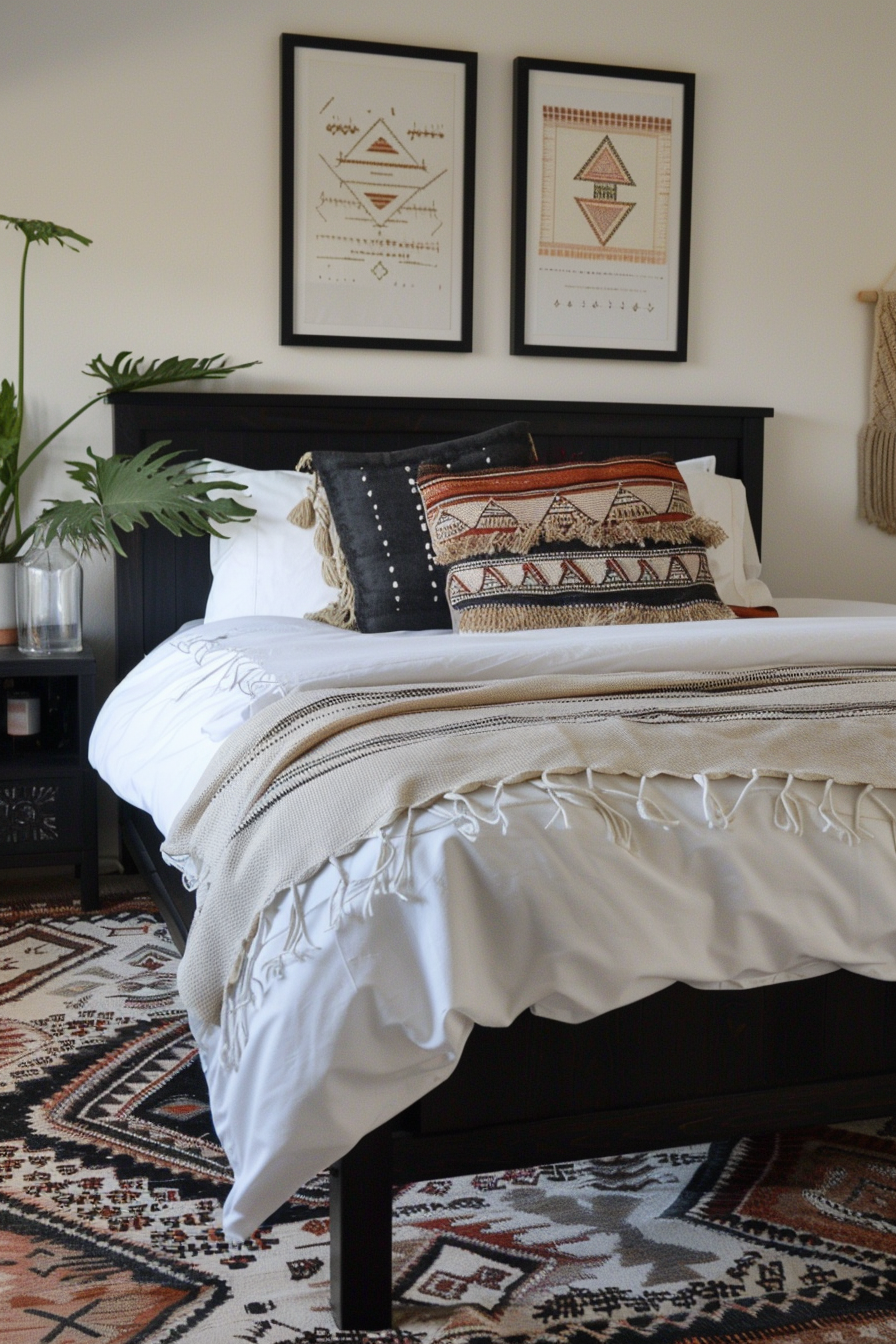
312,775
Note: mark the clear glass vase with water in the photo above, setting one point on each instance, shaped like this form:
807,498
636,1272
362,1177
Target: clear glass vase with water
48,600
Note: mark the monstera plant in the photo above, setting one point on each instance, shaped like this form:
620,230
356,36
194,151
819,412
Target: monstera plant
123,491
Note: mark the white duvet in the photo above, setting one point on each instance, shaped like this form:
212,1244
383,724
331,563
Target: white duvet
507,900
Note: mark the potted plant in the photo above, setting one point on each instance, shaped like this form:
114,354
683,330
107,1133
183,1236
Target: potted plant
123,491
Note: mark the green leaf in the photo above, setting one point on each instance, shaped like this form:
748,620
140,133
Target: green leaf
8,411
130,491
9,446
125,374
42,231
10,430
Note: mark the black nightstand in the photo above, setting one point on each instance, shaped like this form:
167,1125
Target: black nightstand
47,788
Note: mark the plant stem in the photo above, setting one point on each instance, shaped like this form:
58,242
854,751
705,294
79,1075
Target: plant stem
10,487
20,410
25,536
35,452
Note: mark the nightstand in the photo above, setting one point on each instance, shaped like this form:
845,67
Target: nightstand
48,809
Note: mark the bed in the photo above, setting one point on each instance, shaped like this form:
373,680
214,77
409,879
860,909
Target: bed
675,1066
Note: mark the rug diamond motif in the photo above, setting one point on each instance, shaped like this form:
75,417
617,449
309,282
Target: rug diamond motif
111,1182
69,1286
31,955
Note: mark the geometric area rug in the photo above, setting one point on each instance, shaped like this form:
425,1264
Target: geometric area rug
111,1180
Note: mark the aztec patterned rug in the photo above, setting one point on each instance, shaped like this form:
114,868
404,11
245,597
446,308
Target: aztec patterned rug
111,1180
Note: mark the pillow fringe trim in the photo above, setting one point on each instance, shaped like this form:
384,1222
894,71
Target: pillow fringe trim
499,617
520,540
314,511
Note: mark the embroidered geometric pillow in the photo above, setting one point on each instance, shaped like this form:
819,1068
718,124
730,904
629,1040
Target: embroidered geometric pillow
586,543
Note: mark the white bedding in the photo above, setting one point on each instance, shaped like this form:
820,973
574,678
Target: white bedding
522,900
159,730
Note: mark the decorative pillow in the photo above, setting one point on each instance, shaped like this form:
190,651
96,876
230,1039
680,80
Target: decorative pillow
590,543
372,532
264,567
692,464
735,563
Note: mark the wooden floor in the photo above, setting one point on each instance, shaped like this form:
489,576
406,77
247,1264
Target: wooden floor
25,886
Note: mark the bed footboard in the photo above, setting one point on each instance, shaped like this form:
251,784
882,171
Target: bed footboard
361,1184
680,1067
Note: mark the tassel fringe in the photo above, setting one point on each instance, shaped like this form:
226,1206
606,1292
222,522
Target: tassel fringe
877,477
877,444
497,616
302,515
314,511
392,870
520,540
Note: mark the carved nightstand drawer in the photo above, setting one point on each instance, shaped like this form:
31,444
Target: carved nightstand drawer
40,814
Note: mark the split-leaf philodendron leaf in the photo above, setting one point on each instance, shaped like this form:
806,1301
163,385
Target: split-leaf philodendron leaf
125,492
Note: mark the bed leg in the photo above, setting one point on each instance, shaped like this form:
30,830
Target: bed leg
361,1234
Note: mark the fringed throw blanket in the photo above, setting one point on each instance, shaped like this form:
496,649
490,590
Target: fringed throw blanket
309,777
877,449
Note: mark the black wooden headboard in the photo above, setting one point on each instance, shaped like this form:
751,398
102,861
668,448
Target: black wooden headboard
165,580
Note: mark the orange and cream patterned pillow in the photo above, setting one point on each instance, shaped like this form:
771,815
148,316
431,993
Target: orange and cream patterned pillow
585,543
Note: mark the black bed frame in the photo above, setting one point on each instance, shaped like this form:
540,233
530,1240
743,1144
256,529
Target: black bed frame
682,1066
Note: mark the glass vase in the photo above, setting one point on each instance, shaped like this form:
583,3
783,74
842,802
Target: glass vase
48,600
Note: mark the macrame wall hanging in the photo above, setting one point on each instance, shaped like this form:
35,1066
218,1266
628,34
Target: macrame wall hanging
877,446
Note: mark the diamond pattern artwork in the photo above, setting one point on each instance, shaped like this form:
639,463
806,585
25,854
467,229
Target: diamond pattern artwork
623,162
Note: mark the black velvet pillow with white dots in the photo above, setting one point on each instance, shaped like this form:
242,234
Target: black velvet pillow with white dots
382,528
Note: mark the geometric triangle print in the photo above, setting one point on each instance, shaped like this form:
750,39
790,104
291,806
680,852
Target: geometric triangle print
564,515
533,577
604,217
605,165
380,172
614,575
456,588
381,201
495,517
491,579
680,502
647,573
571,576
704,573
627,506
678,573
448,525
380,145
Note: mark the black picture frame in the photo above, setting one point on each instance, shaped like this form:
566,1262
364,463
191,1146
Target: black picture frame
362,243
579,296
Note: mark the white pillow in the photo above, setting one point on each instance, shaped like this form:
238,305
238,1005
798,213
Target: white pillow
698,463
735,564
266,566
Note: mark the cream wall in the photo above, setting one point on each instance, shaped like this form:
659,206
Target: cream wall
154,130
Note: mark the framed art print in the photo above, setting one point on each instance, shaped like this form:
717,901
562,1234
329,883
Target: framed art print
602,166
377,175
